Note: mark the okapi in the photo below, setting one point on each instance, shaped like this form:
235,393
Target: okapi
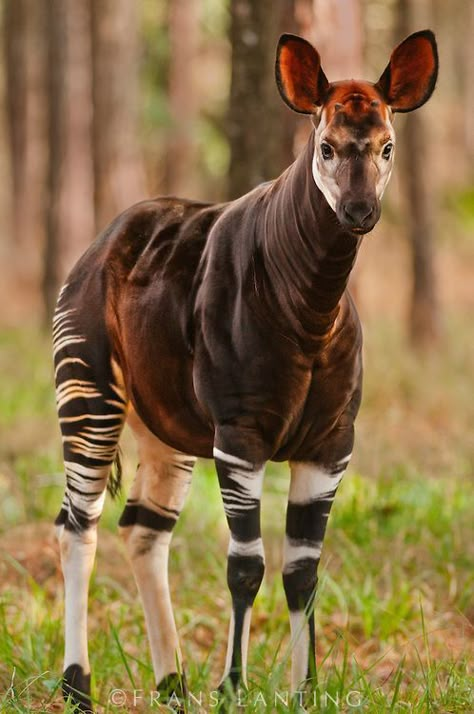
227,331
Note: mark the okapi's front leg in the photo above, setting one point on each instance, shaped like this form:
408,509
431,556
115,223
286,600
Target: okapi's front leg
241,488
312,491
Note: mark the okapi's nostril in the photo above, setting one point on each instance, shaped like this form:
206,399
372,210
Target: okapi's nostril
348,215
357,213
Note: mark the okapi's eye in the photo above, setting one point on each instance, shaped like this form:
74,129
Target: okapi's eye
327,151
387,150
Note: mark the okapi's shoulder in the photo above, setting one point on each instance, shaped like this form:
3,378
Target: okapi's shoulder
235,236
151,230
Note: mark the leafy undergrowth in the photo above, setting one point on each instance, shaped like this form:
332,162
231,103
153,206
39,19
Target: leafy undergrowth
395,604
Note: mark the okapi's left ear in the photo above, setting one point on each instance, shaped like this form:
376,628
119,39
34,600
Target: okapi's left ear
300,79
410,77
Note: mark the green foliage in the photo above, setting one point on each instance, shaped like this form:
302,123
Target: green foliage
154,66
462,204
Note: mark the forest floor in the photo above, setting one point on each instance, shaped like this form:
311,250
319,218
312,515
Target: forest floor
395,605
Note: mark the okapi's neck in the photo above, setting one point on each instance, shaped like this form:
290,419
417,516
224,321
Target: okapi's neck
308,255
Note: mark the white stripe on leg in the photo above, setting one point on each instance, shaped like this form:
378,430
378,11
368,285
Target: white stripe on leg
300,644
77,560
151,575
244,646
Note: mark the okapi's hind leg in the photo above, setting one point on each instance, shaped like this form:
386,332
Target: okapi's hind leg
156,499
91,406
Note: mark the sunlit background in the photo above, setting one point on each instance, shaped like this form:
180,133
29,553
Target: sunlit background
106,102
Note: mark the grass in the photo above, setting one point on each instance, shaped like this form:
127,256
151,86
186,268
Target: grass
394,608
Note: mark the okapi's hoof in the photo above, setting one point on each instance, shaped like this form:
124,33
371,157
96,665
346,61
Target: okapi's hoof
231,691
173,691
231,685
77,688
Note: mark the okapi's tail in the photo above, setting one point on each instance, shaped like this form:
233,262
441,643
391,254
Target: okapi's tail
114,484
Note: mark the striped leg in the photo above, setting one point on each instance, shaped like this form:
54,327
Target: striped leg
152,510
241,488
91,414
312,492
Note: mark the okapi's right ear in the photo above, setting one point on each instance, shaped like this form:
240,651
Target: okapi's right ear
300,79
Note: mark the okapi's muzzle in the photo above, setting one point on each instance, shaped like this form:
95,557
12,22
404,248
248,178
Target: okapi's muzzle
358,215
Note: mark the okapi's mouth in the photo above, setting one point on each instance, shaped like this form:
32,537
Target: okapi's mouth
362,231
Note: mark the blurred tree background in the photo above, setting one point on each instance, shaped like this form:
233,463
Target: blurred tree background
106,102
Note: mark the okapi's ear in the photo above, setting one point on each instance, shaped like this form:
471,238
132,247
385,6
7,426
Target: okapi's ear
300,79
410,77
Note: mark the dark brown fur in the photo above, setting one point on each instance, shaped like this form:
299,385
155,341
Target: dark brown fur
231,327
234,315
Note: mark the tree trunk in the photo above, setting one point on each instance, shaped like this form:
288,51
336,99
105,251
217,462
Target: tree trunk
337,33
469,87
15,48
424,312
77,190
260,127
70,206
181,152
417,191
25,102
56,29
118,168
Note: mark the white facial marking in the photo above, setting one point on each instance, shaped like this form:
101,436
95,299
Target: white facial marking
325,170
385,168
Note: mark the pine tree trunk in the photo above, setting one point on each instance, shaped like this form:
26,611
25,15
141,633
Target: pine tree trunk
15,48
469,87
182,100
118,169
77,190
70,206
260,127
337,33
417,190
25,102
56,29
424,309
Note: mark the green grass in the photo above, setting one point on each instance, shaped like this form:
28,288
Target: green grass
394,606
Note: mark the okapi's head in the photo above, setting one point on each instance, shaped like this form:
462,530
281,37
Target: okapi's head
354,137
